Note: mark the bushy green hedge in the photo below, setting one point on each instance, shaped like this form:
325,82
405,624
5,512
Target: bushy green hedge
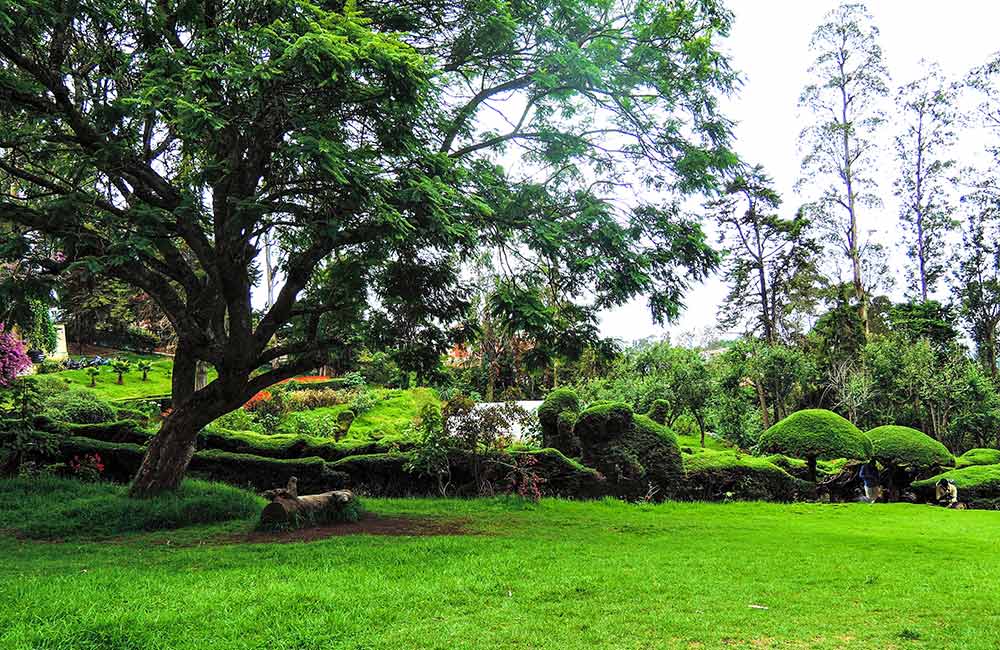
283,445
555,432
48,507
978,456
78,406
632,452
978,485
724,475
816,434
659,411
909,449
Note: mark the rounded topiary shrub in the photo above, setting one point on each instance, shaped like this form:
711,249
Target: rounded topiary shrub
978,456
659,411
559,401
637,457
602,421
906,448
731,475
978,485
816,434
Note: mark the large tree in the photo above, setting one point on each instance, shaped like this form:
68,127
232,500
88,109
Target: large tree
976,285
926,116
158,143
845,97
769,262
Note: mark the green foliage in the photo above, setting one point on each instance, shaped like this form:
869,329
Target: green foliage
978,456
121,367
906,448
238,420
47,507
816,434
659,411
602,421
79,406
364,401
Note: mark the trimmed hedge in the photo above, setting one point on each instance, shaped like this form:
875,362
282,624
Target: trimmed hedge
632,452
816,434
556,415
284,445
978,485
659,410
978,456
725,475
907,448
313,473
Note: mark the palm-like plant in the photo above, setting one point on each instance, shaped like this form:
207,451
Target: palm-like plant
121,366
145,366
93,372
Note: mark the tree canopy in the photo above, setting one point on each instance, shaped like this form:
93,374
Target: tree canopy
158,144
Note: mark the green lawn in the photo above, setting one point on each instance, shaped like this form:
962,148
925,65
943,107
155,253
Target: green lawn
557,575
392,414
158,382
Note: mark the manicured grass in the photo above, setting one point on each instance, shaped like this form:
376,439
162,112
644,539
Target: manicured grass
50,507
392,414
158,382
557,575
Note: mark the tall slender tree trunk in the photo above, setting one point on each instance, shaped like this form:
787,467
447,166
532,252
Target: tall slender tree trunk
765,416
854,250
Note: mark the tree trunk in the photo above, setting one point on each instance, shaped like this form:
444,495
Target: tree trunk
171,449
287,510
763,405
812,468
182,379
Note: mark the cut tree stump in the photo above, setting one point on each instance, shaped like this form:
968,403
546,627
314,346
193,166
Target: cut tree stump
287,509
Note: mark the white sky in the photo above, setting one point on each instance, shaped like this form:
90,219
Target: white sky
769,45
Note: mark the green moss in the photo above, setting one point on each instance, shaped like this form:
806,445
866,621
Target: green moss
978,485
554,430
906,448
283,445
314,474
818,434
978,456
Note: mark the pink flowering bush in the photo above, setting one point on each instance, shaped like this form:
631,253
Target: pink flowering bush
13,358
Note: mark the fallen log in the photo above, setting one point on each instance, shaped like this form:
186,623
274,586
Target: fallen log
288,510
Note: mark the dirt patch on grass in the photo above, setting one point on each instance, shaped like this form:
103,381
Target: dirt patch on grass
368,525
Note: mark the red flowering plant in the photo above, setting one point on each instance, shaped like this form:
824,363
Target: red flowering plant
88,468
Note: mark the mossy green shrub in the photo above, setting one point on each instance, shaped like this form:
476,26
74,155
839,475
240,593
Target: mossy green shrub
908,448
564,477
120,431
78,406
978,485
48,507
731,475
816,434
978,456
659,411
637,457
555,433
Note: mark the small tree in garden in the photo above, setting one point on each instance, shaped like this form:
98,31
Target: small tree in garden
13,358
92,372
145,366
121,366
816,434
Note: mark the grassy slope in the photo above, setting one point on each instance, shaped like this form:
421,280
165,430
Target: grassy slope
557,575
393,412
107,387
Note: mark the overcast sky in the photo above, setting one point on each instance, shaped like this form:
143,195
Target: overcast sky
770,46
